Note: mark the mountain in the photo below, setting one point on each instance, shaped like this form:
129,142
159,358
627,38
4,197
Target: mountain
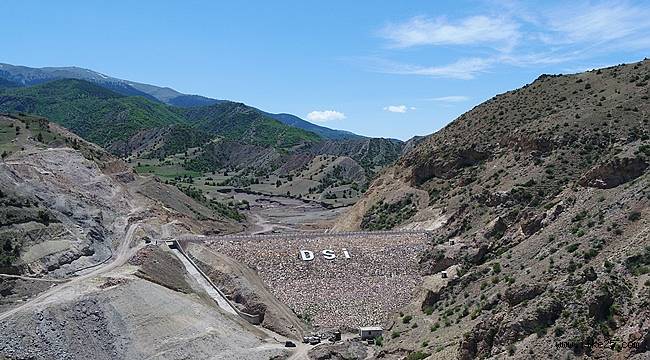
4,84
91,111
175,141
322,131
236,121
538,203
188,101
27,76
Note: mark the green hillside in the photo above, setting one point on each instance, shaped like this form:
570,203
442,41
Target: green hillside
95,113
104,117
238,122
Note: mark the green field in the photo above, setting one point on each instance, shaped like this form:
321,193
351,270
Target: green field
166,171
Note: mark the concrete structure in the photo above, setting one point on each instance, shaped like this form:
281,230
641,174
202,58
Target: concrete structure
215,293
370,332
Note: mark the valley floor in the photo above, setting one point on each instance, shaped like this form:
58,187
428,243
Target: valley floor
270,214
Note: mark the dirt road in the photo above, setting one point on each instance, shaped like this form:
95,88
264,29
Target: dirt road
30,278
120,257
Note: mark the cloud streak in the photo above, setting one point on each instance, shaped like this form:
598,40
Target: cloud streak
474,30
463,69
519,36
450,99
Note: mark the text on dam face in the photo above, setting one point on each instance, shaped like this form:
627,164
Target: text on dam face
327,254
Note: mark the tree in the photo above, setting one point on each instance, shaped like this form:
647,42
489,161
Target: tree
39,137
278,183
4,154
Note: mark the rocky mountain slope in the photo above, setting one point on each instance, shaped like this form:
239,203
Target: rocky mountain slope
538,201
65,200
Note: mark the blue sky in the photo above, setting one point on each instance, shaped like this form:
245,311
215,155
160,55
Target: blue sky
378,68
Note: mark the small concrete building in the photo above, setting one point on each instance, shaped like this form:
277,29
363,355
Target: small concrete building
370,332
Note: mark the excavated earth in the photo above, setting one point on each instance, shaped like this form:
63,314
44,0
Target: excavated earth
78,279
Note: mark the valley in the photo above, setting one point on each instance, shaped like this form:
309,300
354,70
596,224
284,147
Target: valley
219,231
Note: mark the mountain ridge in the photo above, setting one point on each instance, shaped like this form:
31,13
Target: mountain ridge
538,202
28,76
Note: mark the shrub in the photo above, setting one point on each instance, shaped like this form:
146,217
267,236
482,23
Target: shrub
407,319
571,248
639,264
379,341
417,355
496,267
634,216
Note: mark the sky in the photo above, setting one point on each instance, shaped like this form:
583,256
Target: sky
378,68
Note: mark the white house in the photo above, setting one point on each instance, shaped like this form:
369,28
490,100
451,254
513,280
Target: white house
370,332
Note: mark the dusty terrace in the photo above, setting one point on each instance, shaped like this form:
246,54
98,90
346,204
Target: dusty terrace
378,278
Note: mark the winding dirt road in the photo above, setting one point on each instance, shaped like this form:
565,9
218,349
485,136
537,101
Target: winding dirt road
120,257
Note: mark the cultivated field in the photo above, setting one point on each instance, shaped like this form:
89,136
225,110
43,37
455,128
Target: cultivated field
377,278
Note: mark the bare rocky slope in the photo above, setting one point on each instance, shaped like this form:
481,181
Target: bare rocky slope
80,276
538,200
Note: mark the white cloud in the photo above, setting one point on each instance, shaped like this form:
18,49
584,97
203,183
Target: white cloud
603,22
474,30
325,116
396,108
450,99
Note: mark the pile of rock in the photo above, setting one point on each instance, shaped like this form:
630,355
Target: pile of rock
378,278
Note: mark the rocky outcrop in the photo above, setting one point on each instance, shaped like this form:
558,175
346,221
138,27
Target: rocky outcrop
495,229
342,351
478,343
518,293
613,173
533,224
443,167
